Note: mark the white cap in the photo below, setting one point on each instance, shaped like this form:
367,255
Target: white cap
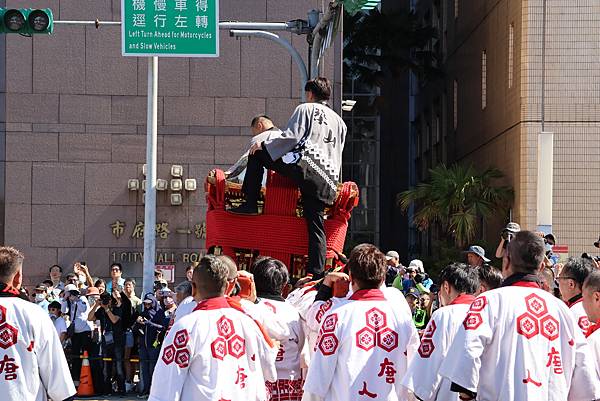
417,265
71,287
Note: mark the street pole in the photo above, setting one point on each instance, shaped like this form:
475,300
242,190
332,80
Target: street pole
150,195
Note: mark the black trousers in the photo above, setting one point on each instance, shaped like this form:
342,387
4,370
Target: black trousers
312,206
83,342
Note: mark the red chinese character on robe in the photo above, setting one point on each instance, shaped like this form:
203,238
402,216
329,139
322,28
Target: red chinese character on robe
241,377
555,361
387,368
9,368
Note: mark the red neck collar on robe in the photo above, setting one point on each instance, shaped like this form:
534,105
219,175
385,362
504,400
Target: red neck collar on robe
575,300
593,327
372,294
529,284
463,299
212,304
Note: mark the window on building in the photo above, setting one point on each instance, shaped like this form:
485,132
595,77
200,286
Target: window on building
455,104
483,80
511,54
456,5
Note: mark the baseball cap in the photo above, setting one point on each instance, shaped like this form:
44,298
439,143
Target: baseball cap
392,254
71,288
414,292
512,227
417,265
41,287
479,251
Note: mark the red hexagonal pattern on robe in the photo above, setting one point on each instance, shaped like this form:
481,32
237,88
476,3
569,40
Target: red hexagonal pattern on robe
478,304
181,339
387,339
8,335
182,358
472,321
426,348
430,329
329,323
225,327
527,325
168,354
2,314
536,305
365,338
236,346
376,319
549,327
583,323
218,348
328,344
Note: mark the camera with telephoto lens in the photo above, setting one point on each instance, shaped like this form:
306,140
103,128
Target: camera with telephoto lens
105,298
509,232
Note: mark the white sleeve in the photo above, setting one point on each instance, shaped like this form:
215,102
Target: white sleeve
168,378
584,384
267,355
53,367
462,364
61,327
315,313
423,375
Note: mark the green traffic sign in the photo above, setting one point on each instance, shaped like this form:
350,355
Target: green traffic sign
170,28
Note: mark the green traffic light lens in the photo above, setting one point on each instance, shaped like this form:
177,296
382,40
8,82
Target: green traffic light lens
14,20
38,20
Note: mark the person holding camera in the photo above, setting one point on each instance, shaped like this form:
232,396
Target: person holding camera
109,312
150,323
506,236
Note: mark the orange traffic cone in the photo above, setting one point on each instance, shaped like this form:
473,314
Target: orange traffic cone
86,386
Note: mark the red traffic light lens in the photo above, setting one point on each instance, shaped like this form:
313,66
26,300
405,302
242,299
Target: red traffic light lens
14,20
38,20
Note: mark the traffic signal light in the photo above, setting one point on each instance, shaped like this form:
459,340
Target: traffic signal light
26,21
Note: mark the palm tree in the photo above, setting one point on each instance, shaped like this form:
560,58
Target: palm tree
454,198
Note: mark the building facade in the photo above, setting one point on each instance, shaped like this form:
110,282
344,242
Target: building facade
506,79
74,132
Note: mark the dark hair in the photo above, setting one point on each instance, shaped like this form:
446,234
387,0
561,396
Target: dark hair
191,267
116,264
53,266
270,276
462,278
70,276
526,252
232,267
319,87
48,283
211,275
129,280
98,282
10,261
367,265
258,118
489,276
578,269
184,287
54,305
592,281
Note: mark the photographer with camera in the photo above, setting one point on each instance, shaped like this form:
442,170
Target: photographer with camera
150,324
506,236
109,312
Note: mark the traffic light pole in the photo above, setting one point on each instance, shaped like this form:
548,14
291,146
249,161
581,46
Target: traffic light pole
150,195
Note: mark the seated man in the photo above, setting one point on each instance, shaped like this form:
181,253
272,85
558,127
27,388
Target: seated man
217,351
309,152
458,285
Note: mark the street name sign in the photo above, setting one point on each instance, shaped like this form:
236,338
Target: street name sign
170,28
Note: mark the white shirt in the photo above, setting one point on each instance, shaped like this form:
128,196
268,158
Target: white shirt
521,343
32,360
214,353
60,325
186,307
423,377
594,341
78,313
364,347
288,362
582,319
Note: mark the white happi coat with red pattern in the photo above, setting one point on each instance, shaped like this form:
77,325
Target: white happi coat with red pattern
522,343
302,299
423,377
593,338
32,361
214,353
582,319
288,386
364,347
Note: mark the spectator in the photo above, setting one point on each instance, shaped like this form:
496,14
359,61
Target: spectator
41,296
489,278
77,307
570,283
100,284
83,274
591,304
394,268
135,302
151,322
185,301
116,282
71,278
169,308
476,256
505,237
53,295
56,278
54,310
412,298
547,280
158,275
109,312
